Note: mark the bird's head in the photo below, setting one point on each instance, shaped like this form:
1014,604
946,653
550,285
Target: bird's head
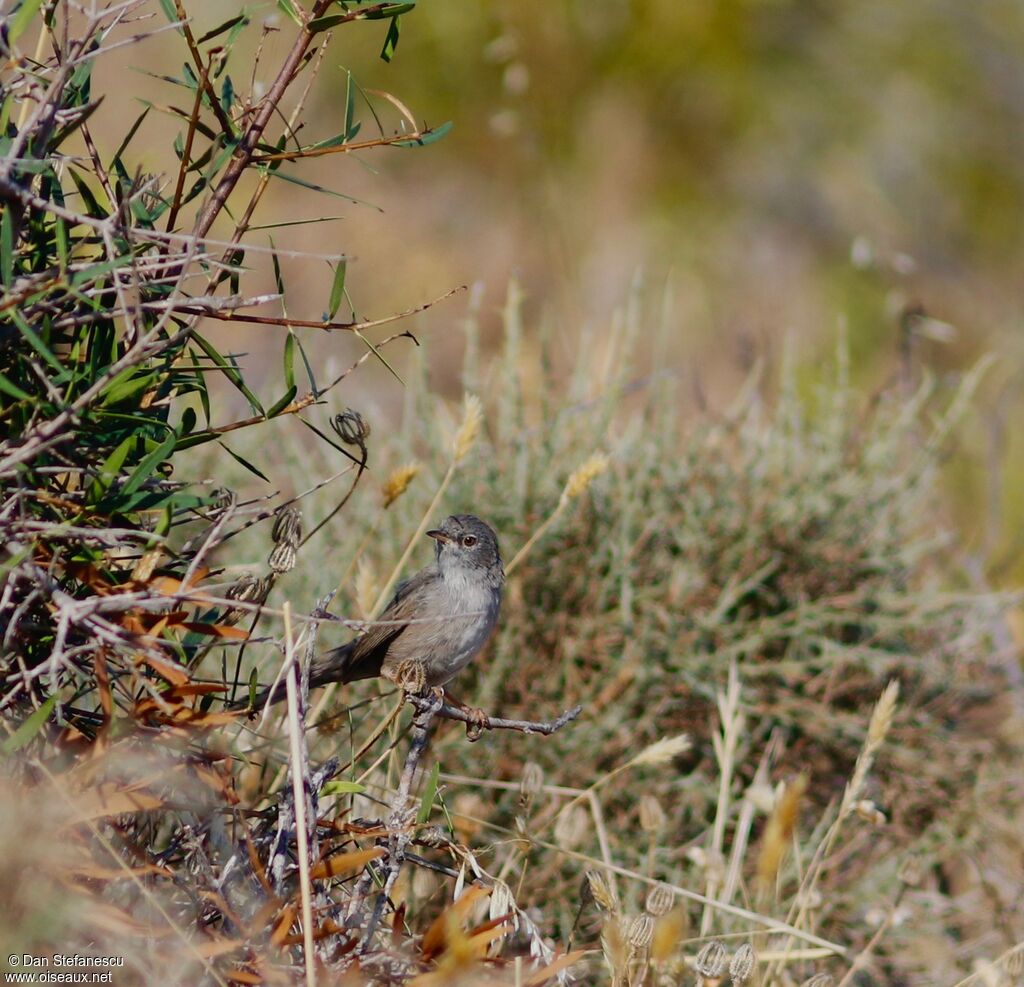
465,540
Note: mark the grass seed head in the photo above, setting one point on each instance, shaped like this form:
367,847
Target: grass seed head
881,716
398,482
583,476
614,946
663,750
599,891
778,833
469,430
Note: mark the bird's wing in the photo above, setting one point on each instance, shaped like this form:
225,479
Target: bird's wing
364,657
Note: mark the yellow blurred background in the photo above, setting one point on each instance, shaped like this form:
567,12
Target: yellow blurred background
762,169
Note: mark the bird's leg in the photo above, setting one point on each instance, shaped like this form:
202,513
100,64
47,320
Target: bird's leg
478,719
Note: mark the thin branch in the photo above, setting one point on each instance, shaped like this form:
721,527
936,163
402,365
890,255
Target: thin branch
449,712
285,322
316,152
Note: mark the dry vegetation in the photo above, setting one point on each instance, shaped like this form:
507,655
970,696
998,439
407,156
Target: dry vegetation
796,761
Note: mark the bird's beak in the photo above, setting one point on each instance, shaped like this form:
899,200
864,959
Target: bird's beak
438,535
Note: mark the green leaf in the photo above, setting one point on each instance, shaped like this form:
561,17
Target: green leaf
188,421
230,372
289,359
351,127
429,793
95,210
380,356
131,133
204,397
285,400
127,385
109,471
320,24
390,40
342,788
389,10
145,468
6,248
241,462
292,222
36,342
22,18
170,13
227,94
309,369
226,26
61,135
13,390
337,289
276,173
29,728
427,137
289,8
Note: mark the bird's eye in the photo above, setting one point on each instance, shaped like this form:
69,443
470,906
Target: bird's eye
469,540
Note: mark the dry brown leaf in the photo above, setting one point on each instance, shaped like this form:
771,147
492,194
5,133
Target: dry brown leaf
169,670
218,947
111,798
538,977
284,922
243,977
97,872
121,923
435,938
216,630
342,863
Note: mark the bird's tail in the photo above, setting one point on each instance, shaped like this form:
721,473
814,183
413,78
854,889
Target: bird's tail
331,666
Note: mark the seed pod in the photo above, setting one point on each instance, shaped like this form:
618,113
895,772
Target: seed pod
641,931
287,528
652,815
711,959
531,784
742,964
660,900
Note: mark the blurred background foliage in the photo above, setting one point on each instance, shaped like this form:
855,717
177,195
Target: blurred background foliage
775,167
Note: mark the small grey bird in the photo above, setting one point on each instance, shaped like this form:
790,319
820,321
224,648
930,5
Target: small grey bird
436,623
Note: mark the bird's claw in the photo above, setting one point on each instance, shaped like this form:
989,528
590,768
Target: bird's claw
476,724
319,613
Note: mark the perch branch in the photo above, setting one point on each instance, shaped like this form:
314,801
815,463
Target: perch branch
470,717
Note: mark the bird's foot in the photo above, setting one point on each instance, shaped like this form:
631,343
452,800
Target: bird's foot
319,613
478,722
